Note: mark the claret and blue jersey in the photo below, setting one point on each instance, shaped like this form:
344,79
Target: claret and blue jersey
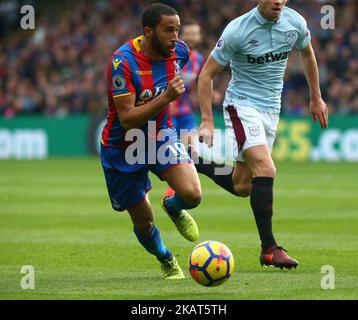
130,71
257,50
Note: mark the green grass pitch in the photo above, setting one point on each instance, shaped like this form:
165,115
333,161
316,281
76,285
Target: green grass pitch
55,216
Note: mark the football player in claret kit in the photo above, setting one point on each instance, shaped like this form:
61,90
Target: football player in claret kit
144,78
257,45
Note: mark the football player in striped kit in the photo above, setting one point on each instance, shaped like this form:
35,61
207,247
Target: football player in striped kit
144,78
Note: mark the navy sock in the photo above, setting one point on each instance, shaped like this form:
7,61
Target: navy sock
175,203
153,243
261,203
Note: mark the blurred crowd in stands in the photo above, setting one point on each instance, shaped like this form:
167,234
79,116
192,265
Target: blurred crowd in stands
60,67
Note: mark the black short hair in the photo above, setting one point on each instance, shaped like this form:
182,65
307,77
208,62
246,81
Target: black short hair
152,15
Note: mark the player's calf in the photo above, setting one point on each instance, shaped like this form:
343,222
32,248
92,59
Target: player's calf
144,227
192,197
243,189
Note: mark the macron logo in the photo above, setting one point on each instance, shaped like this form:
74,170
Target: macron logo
268,57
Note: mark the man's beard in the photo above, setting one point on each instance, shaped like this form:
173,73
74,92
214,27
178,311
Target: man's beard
158,47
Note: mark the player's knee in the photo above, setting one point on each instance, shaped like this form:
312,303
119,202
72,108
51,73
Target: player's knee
243,189
264,168
270,170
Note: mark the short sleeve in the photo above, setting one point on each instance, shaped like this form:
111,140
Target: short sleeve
225,47
304,37
119,76
183,52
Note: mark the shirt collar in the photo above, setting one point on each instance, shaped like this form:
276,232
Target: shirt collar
263,20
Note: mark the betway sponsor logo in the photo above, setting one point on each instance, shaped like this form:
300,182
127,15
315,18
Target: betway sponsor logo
268,57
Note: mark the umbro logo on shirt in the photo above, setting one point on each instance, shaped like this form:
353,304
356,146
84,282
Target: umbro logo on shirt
268,57
254,43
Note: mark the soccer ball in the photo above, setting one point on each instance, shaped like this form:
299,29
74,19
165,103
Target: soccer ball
211,263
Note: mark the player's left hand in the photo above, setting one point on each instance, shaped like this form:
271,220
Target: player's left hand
206,133
319,110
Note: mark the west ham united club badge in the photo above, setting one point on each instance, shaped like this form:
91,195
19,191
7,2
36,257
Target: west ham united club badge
291,37
254,131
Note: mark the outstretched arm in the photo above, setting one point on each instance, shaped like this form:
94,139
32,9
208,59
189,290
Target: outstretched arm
318,108
205,93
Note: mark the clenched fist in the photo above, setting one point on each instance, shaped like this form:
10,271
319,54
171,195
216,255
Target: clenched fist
175,88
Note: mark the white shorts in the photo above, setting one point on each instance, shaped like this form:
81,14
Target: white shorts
248,127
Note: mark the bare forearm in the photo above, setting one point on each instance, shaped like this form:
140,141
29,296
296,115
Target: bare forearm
310,68
318,108
138,116
205,92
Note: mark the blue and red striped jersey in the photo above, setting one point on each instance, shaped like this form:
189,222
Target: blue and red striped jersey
190,75
130,71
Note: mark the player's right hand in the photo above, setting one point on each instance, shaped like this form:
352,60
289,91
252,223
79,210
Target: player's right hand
175,89
206,133
319,110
